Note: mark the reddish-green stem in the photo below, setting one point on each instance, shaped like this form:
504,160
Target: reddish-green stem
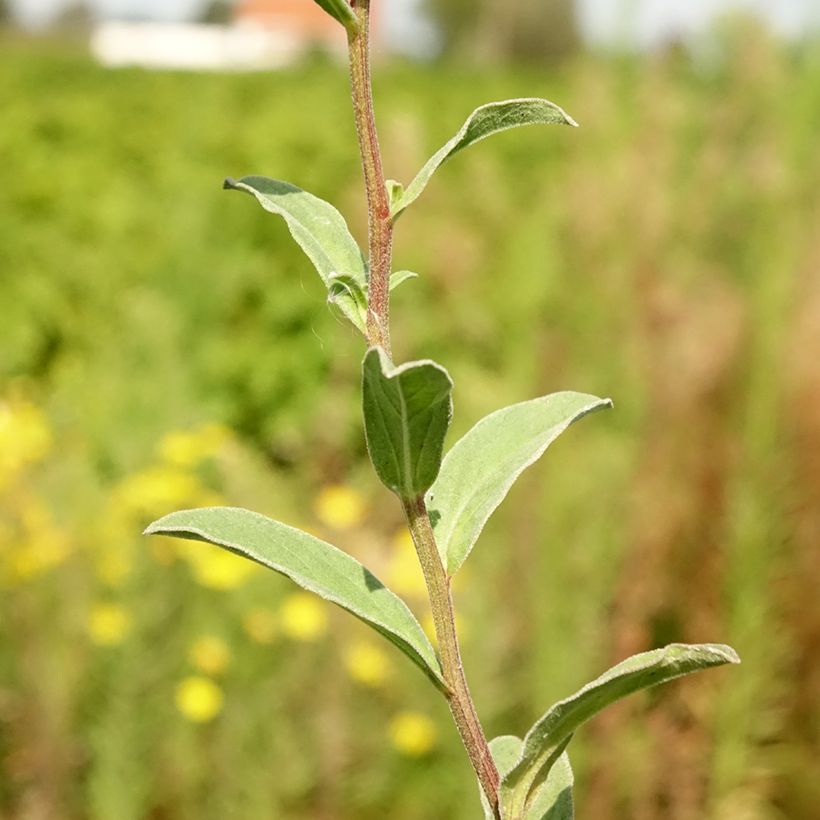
380,223
380,247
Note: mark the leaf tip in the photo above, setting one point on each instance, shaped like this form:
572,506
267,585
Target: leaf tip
229,184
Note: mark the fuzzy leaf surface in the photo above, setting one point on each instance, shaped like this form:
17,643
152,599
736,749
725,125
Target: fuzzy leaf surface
545,741
407,411
319,230
314,565
340,9
553,798
485,121
479,470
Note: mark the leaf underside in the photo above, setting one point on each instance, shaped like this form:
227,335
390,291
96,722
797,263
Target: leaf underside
479,470
407,411
320,231
315,566
553,798
485,121
547,738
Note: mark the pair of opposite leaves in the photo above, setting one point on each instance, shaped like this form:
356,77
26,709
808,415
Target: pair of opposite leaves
407,412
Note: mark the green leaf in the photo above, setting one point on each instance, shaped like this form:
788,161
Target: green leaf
400,276
553,798
485,121
346,293
407,411
479,470
340,9
319,229
314,565
545,741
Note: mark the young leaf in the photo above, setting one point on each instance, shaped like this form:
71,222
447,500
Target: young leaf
340,9
319,229
479,470
407,411
547,737
314,565
401,276
552,799
483,122
346,293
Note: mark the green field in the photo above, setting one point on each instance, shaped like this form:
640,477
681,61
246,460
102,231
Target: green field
164,344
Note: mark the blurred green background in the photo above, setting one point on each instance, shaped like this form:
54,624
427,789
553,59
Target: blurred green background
165,344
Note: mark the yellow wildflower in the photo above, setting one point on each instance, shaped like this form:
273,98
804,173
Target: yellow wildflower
199,699
25,437
339,507
261,625
108,624
403,574
303,617
156,490
188,448
367,664
210,654
35,543
413,734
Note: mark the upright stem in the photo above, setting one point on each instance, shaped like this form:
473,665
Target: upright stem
380,224
380,246
441,603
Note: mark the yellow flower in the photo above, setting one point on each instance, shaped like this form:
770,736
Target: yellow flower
216,568
210,654
188,448
403,573
367,664
108,624
303,617
199,699
412,734
25,437
156,490
260,625
339,507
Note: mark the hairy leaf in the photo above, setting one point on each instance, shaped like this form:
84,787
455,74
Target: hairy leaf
401,276
483,122
552,799
314,565
341,10
545,741
319,229
479,470
407,411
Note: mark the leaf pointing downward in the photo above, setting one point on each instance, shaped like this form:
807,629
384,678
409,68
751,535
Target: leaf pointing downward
314,565
550,734
479,470
483,122
319,230
407,412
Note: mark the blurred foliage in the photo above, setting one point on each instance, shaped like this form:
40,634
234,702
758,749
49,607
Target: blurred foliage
519,30
666,253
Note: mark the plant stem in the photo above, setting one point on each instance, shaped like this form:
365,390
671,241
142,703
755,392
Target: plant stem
380,247
441,603
380,224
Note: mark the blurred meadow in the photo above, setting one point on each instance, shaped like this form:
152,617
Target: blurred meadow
164,345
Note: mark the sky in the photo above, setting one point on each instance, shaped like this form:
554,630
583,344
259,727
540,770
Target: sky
646,21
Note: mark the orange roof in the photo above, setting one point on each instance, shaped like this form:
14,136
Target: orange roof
303,17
